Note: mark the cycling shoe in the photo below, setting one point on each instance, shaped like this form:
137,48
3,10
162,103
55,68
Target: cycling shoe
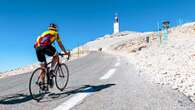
42,86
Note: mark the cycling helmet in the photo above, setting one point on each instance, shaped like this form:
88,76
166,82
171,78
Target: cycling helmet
52,26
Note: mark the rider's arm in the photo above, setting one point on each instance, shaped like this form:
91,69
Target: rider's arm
61,45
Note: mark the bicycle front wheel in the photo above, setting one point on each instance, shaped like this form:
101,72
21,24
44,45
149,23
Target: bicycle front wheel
62,76
34,87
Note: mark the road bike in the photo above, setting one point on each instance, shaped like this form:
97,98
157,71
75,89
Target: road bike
60,73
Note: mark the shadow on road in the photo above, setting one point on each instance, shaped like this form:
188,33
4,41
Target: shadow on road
23,97
15,98
82,89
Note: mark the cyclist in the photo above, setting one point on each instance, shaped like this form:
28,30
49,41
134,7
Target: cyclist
43,46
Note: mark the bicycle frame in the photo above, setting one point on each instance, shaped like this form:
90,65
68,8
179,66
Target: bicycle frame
47,77
48,74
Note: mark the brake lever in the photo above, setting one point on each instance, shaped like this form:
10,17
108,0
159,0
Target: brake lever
68,58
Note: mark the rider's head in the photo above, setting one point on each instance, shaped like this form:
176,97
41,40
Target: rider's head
52,26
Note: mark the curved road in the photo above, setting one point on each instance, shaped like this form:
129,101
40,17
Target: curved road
98,81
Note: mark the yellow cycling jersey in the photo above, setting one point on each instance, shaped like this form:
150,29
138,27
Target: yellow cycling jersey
47,38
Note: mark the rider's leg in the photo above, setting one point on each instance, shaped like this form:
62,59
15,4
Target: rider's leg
51,51
55,60
42,75
41,58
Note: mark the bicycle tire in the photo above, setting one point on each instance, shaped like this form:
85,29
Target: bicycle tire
64,73
41,93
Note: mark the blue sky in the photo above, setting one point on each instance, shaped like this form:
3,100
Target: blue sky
79,21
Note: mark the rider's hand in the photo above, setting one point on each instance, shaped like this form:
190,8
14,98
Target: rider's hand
66,53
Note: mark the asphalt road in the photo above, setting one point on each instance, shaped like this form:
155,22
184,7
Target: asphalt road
98,81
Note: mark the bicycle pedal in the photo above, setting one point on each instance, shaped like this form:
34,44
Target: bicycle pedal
40,84
44,88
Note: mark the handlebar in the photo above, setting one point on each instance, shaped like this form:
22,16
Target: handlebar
62,54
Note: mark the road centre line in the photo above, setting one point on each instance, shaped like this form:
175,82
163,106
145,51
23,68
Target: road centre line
75,100
108,74
79,97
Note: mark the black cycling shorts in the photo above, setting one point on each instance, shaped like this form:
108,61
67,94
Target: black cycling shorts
46,50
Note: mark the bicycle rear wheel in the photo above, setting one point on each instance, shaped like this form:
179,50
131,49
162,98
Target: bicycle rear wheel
34,86
62,76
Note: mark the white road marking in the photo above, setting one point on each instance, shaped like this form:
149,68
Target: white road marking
79,97
108,74
117,64
75,100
